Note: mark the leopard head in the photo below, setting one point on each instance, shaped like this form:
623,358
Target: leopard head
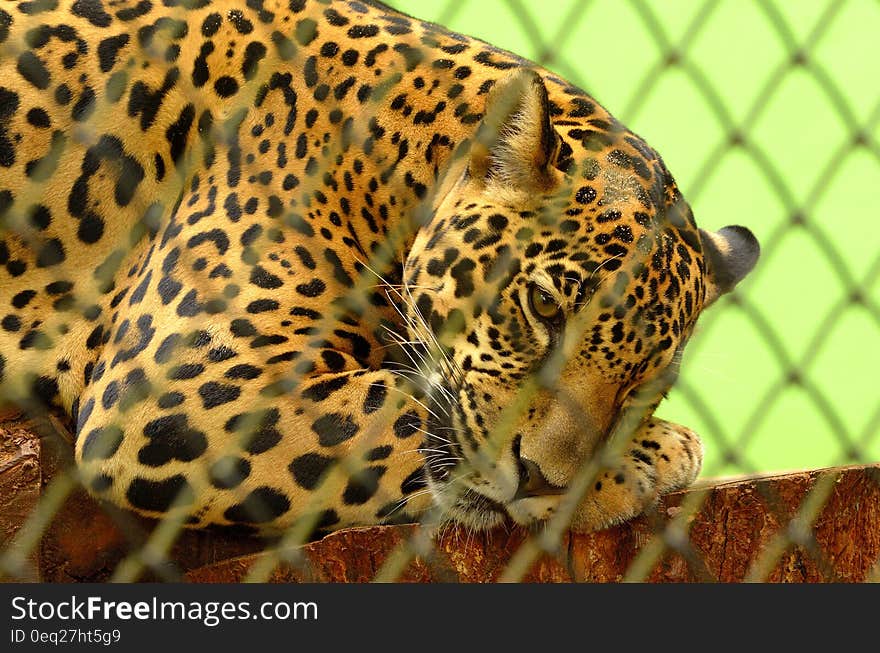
552,291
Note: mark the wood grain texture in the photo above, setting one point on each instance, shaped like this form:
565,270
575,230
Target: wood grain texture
20,482
726,536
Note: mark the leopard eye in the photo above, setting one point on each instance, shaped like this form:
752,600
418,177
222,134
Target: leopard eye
544,304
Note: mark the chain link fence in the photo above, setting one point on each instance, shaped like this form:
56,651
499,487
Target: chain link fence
768,114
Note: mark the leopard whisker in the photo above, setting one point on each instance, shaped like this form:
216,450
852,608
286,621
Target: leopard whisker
419,402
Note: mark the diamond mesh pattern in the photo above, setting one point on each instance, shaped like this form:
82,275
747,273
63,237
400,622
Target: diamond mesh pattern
769,115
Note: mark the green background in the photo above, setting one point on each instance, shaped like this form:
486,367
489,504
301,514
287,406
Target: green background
768,114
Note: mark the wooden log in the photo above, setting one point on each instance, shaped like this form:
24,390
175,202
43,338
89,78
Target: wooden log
726,537
20,480
737,530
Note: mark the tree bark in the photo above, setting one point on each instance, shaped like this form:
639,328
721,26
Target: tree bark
810,526
19,485
726,539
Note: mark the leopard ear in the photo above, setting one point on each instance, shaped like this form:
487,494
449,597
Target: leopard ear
515,143
730,254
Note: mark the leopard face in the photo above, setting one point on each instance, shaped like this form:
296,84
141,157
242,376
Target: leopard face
557,283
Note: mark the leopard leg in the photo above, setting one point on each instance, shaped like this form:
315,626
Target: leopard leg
341,448
226,394
661,457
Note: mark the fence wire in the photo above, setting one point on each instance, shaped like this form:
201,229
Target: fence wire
739,131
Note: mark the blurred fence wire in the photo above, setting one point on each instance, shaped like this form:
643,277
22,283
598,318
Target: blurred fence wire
738,131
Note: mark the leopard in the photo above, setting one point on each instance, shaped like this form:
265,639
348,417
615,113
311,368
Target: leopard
317,264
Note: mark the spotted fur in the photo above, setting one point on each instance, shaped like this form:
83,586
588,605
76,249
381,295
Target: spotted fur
279,261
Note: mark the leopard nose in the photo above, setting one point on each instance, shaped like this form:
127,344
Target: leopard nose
532,482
